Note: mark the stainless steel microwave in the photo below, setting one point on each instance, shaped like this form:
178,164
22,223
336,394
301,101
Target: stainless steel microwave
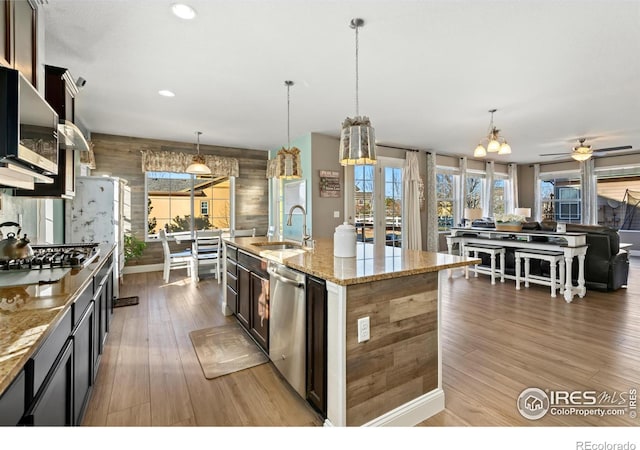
28,125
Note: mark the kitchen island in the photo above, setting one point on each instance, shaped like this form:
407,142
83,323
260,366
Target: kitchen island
394,377
51,337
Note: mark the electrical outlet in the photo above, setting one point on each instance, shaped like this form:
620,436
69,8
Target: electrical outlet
336,214
363,329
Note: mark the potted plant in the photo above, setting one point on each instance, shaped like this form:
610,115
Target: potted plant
509,222
133,247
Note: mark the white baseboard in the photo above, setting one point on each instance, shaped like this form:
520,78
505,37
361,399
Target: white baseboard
411,413
143,268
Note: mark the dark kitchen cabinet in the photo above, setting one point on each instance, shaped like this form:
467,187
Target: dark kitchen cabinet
18,40
253,297
55,384
12,402
60,91
232,278
260,309
53,405
316,392
83,337
244,297
5,26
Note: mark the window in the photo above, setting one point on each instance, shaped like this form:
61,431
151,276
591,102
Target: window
618,190
363,193
474,190
445,193
171,200
204,208
393,205
500,185
561,199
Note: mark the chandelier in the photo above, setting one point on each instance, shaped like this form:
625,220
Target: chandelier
496,143
357,138
198,166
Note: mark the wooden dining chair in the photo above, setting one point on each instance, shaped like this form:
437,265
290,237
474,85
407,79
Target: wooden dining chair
175,260
207,249
251,232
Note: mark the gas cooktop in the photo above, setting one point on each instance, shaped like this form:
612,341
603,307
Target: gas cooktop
49,256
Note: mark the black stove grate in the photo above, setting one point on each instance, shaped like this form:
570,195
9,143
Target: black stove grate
47,256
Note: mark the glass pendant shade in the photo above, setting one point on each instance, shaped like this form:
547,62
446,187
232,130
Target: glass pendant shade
357,142
198,166
505,149
480,151
494,146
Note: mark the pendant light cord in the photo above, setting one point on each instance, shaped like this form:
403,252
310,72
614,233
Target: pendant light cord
288,84
357,75
198,133
288,117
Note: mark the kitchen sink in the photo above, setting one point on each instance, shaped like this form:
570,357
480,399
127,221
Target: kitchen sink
278,246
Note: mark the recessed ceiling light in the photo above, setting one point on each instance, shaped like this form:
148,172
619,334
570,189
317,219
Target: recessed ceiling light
166,93
183,11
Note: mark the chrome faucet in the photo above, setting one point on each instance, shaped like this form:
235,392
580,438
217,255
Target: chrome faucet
305,236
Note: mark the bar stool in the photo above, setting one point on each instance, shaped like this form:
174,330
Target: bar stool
491,250
554,259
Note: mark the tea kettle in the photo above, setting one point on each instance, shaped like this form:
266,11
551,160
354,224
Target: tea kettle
14,248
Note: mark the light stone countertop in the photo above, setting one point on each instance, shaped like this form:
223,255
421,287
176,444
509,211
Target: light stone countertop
372,263
29,313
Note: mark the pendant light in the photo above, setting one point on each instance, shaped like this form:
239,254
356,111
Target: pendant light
496,143
198,166
289,166
357,139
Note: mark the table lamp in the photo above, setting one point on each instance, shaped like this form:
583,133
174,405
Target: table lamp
526,212
471,214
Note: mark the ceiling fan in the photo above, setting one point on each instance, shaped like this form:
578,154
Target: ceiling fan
583,152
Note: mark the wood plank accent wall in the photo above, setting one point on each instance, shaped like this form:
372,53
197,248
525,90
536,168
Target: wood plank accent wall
400,361
120,156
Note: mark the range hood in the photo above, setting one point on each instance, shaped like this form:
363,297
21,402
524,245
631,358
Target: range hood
71,138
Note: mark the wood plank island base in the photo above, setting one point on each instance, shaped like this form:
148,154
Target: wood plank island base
394,377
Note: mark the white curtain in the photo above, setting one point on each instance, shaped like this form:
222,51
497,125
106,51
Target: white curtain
462,194
511,194
412,238
537,200
487,198
432,204
589,193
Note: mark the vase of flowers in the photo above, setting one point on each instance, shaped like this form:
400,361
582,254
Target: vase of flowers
509,222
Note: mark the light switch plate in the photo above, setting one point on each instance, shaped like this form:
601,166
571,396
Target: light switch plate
336,214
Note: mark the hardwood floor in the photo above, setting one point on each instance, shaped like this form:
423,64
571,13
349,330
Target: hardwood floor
496,342
150,376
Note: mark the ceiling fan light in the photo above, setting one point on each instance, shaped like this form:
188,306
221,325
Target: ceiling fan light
494,146
580,156
505,149
479,152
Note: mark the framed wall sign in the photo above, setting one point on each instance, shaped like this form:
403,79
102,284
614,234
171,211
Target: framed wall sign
329,183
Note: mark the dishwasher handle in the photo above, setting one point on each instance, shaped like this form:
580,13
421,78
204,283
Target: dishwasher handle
287,280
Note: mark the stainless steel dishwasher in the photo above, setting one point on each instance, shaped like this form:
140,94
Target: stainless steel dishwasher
287,337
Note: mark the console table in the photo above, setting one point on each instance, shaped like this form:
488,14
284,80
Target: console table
571,244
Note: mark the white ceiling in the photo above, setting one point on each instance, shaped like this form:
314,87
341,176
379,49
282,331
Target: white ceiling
429,70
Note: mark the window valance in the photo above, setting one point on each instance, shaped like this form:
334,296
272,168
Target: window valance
160,161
